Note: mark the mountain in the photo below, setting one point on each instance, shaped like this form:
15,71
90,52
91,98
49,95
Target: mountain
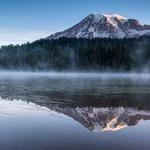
105,26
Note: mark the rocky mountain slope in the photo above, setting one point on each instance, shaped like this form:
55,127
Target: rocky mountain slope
105,26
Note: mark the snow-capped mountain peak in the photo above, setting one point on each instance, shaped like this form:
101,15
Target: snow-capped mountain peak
112,18
105,26
115,15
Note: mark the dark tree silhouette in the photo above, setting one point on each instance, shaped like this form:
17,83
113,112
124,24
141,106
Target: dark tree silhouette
71,54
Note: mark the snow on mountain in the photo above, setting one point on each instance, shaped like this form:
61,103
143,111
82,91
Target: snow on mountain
105,26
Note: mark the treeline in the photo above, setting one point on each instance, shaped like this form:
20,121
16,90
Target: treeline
70,54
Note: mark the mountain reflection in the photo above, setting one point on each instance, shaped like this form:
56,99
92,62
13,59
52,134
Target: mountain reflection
105,119
95,119
97,104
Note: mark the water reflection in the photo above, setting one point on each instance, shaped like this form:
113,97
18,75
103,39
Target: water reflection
95,119
105,119
45,112
22,108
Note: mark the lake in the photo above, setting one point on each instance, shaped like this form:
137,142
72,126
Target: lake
74,111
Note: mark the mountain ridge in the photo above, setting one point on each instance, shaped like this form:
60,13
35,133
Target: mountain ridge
104,26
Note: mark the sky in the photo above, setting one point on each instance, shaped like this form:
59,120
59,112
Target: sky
29,20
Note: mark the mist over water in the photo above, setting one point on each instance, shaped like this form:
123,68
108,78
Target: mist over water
58,108
103,75
75,87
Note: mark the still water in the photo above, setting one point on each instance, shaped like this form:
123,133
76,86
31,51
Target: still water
43,111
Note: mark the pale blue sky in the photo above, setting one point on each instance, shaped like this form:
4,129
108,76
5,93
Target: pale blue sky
28,20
